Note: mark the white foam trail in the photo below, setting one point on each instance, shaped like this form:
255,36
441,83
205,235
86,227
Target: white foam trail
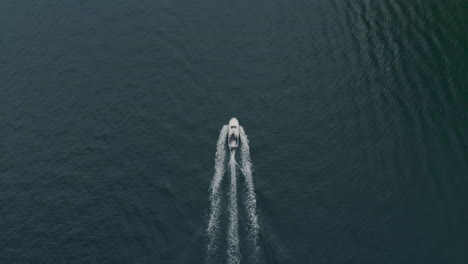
233,229
251,201
215,197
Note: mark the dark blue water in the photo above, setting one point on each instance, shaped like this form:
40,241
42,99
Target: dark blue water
355,111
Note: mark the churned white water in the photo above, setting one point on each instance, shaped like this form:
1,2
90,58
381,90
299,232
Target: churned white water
216,206
215,193
233,229
251,200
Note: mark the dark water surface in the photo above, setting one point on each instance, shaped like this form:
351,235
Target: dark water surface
355,109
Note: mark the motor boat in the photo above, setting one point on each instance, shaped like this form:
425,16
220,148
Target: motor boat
233,134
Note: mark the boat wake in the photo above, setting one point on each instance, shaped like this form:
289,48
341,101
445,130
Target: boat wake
233,230
215,197
250,206
251,200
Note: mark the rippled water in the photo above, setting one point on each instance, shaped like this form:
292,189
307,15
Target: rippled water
355,110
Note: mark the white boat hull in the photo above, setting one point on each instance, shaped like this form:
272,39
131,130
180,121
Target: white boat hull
233,134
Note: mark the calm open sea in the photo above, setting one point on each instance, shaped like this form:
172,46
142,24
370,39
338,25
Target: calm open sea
356,111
